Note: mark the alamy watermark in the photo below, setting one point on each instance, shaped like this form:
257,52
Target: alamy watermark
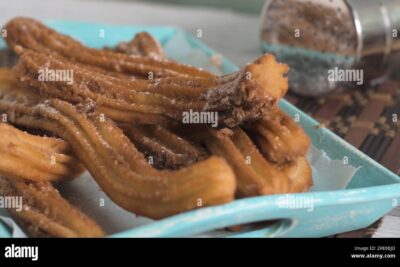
296,202
346,75
30,252
200,117
11,202
59,75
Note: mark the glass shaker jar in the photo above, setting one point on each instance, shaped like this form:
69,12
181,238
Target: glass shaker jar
333,44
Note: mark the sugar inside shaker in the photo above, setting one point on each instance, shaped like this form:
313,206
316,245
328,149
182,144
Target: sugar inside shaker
333,44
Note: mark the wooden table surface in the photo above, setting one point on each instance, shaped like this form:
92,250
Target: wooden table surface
233,34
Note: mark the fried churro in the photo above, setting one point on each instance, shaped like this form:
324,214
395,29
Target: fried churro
42,158
279,137
117,166
36,158
34,35
255,175
299,173
30,162
45,213
163,148
279,168
143,45
238,97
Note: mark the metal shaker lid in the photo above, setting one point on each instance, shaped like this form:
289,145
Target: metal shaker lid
318,38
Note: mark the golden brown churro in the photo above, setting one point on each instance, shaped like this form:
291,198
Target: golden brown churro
276,135
279,137
143,45
163,148
300,175
244,159
255,175
36,158
42,158
122,171
32,34
26,157
45,213
237,97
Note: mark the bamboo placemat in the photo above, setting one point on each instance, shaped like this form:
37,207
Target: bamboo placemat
368,118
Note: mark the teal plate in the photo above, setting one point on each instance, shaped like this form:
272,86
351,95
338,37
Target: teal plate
372,192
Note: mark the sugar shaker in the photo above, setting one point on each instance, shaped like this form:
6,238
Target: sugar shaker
333,44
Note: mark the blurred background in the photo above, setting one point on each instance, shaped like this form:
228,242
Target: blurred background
248,6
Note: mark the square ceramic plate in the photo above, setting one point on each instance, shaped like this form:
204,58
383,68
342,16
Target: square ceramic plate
372,192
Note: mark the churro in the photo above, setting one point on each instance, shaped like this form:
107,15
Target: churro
235,98
117,166
163,148
44,212
37,158
143,45
279,137
32,34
